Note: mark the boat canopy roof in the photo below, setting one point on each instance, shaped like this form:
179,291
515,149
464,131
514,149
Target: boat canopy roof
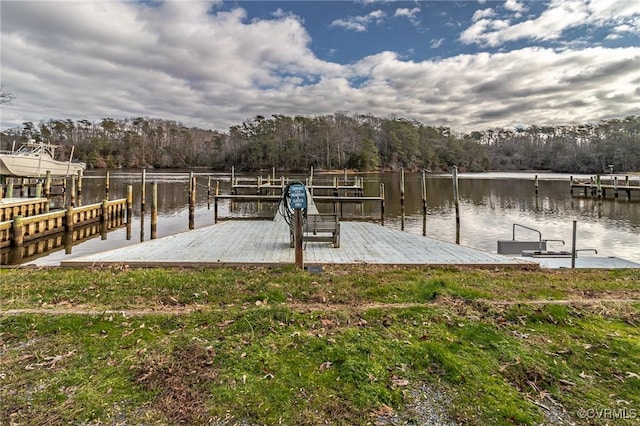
32,147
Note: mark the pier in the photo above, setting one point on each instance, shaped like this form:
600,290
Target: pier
599,186
267,243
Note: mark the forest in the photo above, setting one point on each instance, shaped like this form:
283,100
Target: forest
338,141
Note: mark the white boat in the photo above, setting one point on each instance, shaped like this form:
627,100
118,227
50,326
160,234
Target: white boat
34,159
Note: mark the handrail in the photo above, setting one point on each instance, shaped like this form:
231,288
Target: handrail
525,227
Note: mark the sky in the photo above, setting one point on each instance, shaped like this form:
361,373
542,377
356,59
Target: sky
467,65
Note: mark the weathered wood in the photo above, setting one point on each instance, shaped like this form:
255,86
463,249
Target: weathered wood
154,210
456,202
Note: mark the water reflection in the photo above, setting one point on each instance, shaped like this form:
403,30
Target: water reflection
489,204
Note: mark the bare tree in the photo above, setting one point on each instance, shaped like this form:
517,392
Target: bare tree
6,96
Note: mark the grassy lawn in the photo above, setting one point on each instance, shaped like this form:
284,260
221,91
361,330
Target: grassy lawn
351,345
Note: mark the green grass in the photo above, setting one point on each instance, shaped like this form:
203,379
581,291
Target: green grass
261,346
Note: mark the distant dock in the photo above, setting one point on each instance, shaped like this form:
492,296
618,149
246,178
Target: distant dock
597,186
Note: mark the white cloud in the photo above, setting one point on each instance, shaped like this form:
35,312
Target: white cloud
435,43
214,69
483,13
560,16
514,6
359,23
406,12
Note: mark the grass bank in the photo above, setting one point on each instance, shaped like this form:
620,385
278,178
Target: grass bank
358,345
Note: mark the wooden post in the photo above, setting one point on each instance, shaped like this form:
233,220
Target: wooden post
571,185
192,204
129,208
105,212
154,210
424,203
80,187
73,190
143,191
39,190
599,187
573,245
107,178
382,204
456,202
64,191
18,231
345,177
209,193
273,174
215,202
129,205
311,177
10,189
47,185
297,238
615,186
627,183
535,183
233,180
22,187
402,198
68,223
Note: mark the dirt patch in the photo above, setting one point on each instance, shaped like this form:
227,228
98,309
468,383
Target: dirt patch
179,380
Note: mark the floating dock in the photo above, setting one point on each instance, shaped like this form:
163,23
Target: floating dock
266,243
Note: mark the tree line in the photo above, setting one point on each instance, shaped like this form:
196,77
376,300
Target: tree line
337,141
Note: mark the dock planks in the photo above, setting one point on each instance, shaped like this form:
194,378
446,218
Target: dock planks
266,243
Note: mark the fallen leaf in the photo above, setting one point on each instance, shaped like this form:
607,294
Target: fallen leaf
384,411
325,365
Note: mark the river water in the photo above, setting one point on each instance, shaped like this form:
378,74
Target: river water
490,203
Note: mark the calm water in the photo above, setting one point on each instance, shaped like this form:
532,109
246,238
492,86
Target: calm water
490,204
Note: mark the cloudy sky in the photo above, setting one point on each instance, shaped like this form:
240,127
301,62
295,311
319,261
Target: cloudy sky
470,65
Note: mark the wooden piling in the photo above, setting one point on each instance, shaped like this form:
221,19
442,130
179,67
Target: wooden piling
535,183
68,222
39,190
209,193
105,212
402,198
47,185
424,203
382,204
80,187
573,245
129,208
143,191
215,202
456,202
10,189
18,231
107,179
192,203
599,187
297,232
73,190
233,180
615,186
22,187
571,184
154,210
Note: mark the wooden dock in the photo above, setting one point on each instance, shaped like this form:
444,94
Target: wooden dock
266,243
28,222
598,186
